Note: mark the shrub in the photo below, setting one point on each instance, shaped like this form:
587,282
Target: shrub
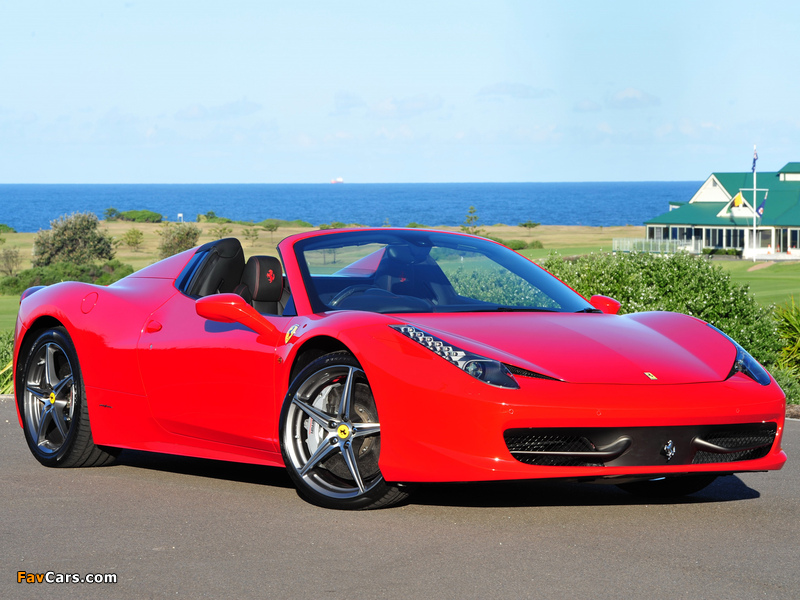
102,274
282,223
74,239
10,261
680,283
211,217
415,225
536,245
6,361
133,238
111,214
513,244
6,229
497,287
177,238
788,317
686,284
141,216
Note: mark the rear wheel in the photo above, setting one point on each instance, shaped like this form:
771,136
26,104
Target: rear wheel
668,487
330,437
53,405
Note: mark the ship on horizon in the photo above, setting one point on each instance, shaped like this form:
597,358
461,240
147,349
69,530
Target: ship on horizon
337,180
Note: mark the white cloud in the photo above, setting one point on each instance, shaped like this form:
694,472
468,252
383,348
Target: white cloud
632,98
345,102
398,134
518,91
586,106
403,108
230,110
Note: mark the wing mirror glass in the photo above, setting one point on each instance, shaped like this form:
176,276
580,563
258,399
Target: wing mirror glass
608,305
231,308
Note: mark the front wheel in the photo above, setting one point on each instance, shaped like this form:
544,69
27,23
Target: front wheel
52,403
330,437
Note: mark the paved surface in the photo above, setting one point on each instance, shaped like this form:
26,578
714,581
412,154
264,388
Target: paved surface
182,528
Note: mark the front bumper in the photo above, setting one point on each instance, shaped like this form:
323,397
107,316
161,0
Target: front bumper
454,428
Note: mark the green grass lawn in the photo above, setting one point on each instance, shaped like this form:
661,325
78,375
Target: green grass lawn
775,284
8,312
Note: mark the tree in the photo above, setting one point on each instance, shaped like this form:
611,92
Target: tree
471,223
177,238
111,214
133,238
220,231
250,234
9,259
271,226
75,239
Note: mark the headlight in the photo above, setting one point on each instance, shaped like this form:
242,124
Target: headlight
484,369
746,364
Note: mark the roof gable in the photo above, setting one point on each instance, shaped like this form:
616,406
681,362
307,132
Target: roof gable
713,204
792,167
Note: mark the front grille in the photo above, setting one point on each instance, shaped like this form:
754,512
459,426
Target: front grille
550,445
703,458
737,444
640,446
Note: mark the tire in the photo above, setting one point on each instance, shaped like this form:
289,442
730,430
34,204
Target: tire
668,487
52,403
331,447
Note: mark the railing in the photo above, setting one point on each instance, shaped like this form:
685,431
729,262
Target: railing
651,246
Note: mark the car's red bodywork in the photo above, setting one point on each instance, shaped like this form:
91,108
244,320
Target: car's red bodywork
160,377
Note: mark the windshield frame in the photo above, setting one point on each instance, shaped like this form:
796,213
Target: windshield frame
420,242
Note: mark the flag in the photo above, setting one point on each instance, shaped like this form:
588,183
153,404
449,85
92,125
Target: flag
738,200
755,158
760,210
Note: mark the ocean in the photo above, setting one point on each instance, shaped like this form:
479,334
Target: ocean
30,207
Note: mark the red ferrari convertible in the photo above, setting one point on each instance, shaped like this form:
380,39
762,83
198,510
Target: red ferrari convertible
369,360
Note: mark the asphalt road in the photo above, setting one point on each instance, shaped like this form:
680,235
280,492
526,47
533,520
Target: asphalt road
172,527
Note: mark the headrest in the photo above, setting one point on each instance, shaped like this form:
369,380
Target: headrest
264,276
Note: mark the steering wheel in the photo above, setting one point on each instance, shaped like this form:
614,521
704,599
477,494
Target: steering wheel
349,291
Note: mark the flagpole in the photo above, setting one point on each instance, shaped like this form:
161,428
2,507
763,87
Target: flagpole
755,187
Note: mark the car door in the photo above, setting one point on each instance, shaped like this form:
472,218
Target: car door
209,380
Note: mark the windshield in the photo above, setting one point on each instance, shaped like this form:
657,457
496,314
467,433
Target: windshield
397,271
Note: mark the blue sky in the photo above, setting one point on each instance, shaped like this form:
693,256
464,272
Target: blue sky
303,92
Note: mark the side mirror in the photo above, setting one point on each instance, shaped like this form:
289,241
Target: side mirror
608,305
231,308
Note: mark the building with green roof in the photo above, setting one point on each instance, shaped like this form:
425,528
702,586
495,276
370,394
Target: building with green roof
720,215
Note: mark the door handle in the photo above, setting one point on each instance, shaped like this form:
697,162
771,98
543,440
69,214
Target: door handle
152,327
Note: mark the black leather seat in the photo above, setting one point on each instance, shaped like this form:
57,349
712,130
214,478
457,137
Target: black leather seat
262,285
221,270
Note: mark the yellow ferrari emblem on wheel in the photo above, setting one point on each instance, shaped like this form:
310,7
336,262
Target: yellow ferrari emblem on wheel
343,431
52,397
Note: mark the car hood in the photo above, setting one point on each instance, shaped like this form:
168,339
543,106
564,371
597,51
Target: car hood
653,348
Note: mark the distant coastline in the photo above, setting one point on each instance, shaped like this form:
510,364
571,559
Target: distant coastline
30,207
